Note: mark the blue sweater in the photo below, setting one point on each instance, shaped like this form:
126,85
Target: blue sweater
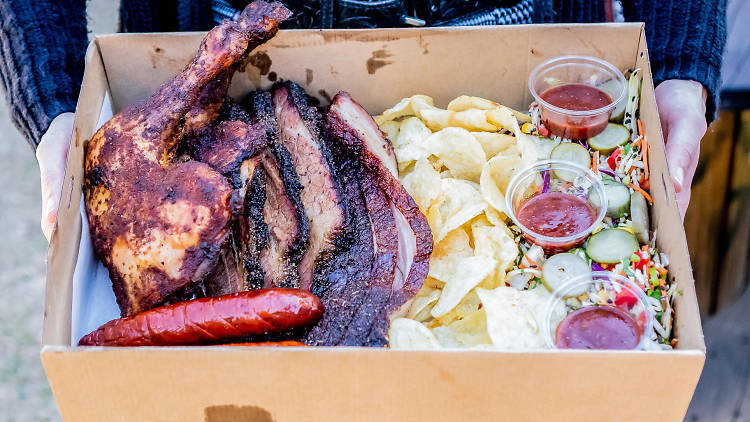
44,41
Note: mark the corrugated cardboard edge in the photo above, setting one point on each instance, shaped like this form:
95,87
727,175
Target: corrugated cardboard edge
353,384
63,248
668,223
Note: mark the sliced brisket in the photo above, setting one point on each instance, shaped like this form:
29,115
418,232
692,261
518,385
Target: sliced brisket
283,212
299,132
359,277
355,128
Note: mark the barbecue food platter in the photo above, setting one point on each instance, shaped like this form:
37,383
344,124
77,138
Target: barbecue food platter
216,212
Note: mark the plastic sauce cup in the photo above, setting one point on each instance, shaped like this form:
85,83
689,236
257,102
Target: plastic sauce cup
627,298
560,178
585,121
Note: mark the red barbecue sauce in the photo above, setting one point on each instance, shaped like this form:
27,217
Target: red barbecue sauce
597,328
556,214
577,97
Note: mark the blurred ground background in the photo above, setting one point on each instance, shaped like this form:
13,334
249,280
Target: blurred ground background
25,395
24,392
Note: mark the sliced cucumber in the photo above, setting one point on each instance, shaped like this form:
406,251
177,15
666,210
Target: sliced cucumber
612,137
610,246
618,198
572,153
561,268
639,216
612,88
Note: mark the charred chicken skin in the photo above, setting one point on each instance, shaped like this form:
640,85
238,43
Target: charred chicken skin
158,224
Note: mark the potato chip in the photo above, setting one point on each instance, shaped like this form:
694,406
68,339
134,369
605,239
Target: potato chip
410,153
405,107
507,118
410,144
514,318
501,117
408,334
446,338
467,306
494,242
455,244
391,128
494,180
495,217
422,304
493,143
461,153
436,118
411,131
470,331
423,184
435,220
437,163
433,283
472,119
459,203
459,279
466,102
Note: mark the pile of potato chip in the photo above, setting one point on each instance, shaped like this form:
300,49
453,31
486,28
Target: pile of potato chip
456,163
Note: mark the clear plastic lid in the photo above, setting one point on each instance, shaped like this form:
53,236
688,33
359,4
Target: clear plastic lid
584,70
556,176
603,290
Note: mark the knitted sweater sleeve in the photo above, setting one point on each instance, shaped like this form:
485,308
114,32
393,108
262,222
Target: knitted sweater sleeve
43,44
685,40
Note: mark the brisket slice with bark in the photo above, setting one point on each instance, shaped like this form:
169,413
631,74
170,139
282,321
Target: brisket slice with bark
351,125
282,210
299,132
231,146
359,278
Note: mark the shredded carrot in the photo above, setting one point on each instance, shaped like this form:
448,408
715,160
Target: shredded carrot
595,163
644,148
640,128
532,264
643,182
605,266
661,270
645,194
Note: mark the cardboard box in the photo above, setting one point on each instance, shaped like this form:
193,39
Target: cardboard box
378,67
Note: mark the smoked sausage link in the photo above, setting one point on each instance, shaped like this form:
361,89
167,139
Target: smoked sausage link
211,319
285,343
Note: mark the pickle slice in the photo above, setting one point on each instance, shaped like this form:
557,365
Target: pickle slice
612,137
612,88
618,198
572,153
639,216
610,246
560,268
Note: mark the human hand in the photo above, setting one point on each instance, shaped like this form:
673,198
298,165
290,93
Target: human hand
52,154
682,109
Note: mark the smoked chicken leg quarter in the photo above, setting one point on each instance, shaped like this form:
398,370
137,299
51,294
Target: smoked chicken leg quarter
158,223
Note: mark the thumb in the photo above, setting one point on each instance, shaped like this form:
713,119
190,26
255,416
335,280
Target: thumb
52,154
